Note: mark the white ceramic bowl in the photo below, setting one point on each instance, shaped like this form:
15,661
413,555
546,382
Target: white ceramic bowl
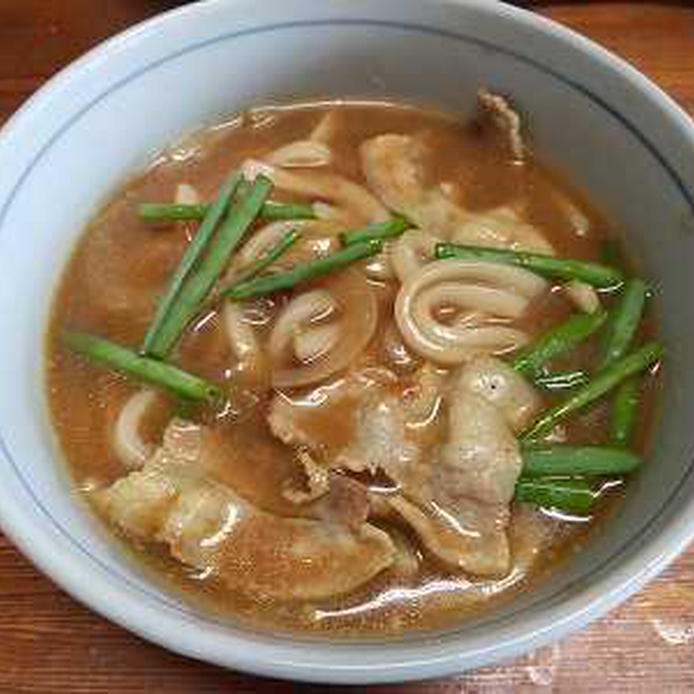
613,131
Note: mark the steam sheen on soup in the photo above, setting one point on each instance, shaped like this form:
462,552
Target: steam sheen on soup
350,367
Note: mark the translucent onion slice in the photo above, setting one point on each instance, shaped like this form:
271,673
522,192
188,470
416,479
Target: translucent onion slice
323,186
355,302
411,252
301,154
315,343
128,444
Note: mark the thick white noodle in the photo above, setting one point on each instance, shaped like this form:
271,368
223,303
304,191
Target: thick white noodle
318,238
301,154
128,444
266,237
483,293
380,266
326,128
327,212
302,328
411,252
323,186
396,352
241,336
314,343
471,296
305,308
583,296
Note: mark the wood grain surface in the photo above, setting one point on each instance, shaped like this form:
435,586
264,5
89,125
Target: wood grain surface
50,644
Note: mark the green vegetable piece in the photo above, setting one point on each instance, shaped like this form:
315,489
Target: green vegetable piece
560,339
597,275
561,380
153,371
600,384
624,320
152,342
171,212
624,410
573,496
379,231
182,212
199,284
575,461
302,272
274,211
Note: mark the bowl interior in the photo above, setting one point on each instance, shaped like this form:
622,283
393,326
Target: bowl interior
611,132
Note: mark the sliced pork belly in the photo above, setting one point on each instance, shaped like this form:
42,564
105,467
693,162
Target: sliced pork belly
206,525
498,112
481,459
346,502
363,426
502,386
394,166
464,521
469,537
455,497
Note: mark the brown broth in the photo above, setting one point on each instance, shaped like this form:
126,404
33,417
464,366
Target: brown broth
121,265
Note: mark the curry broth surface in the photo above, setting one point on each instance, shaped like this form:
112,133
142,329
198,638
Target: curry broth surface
121,265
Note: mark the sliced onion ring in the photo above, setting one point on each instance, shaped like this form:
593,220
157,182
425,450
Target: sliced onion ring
358,309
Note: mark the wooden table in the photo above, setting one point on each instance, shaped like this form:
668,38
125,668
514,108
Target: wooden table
49,643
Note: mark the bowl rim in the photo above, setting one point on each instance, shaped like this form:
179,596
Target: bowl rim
281,659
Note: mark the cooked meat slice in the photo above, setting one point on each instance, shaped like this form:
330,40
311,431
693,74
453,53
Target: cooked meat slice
499,384
201,519
181,443
206,525
481,459
299,559
407,554
139,501
320,421
463,522
316,481
351,196
142,498
503,223
470,538
422,400
394,166
347,502
530,534
381,441
362,427
498,111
